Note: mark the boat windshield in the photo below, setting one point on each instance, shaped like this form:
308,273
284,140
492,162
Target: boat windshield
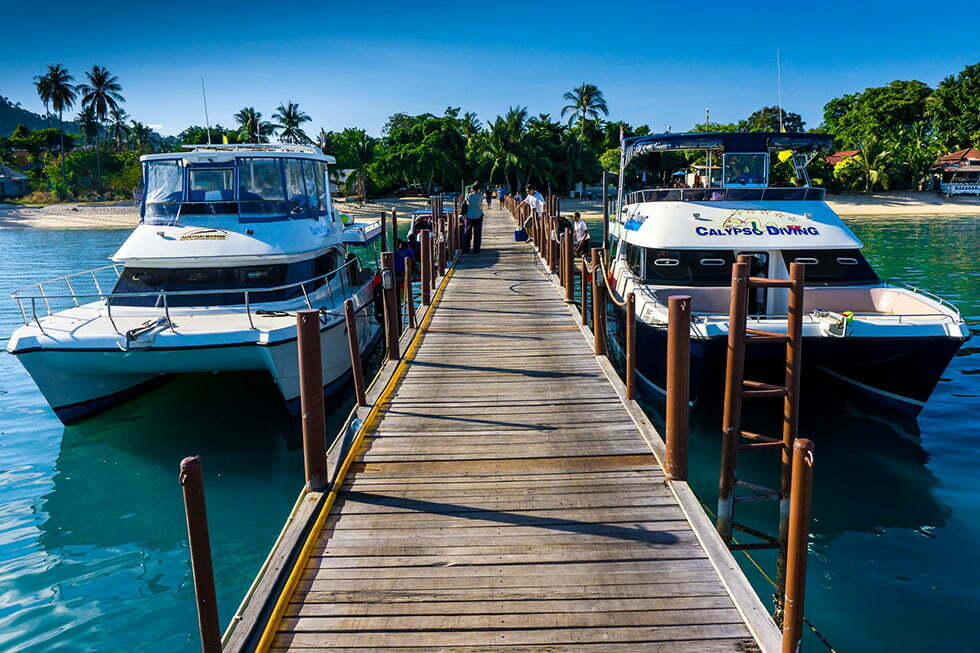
750,169
164,188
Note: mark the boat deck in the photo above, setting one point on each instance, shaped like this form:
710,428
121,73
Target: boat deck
506,497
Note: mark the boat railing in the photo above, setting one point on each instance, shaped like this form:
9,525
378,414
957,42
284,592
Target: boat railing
796,193
925,293
164,299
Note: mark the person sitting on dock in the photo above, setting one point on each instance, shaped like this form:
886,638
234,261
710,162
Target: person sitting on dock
583,241
473,221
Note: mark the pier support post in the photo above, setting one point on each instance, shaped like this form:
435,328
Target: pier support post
798,532
678,384
390,295
631,346
568,266
384,231
605,209
357,370
426,266
598,304
199,541
411,317
311,398
584,290
394,230
791,414
732,418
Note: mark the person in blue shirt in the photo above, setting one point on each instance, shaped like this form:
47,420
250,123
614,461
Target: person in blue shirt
473,221
402,252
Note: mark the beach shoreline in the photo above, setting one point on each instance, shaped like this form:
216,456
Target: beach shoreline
123,215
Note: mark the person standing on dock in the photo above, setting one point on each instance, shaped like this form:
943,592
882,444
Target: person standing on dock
583,241
473,221
535,200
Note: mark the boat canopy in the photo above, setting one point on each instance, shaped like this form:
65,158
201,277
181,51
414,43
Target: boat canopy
725,142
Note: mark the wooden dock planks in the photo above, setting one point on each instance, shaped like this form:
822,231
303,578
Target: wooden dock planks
506,500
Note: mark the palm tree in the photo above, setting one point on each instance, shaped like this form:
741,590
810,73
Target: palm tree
103,94
89,124
140,136
359,149
43,85
289,119
118,127
62,94
869,165
251,127
587,102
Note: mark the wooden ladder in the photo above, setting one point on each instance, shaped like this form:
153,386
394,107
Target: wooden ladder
738,388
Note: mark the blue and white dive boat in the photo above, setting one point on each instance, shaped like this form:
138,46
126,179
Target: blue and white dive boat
884,340
233,239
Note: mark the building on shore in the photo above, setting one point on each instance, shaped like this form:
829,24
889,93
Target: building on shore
12,183
957,173
839,157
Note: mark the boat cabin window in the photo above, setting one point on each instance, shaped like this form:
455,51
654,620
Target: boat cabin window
253,277
260,187
831,267
689,267
750,170
211,185
163,188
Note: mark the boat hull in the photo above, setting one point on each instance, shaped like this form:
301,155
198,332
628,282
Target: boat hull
79,384
898,372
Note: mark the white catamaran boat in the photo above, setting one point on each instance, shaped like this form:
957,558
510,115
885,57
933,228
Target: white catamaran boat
232,240
887,341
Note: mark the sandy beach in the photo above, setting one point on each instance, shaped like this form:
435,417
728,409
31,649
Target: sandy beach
123,215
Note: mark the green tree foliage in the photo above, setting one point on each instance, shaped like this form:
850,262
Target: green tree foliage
289,122
425,149
197,135
767,119
251,127
953,110
75,174
868,169
881,112
355,151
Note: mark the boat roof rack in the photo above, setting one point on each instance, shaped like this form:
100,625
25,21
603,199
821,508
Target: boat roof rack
255,147
725,142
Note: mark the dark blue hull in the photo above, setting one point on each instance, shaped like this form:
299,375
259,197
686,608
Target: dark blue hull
899,373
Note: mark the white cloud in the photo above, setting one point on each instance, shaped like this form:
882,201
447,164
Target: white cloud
155,127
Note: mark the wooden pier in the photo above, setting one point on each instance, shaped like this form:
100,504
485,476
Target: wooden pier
500,492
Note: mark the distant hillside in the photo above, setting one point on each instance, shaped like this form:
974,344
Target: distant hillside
12,114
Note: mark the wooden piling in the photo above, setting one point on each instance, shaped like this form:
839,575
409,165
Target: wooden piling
384,231
568,266
199,542
598,303
394,229
411,317
425,276
390,293
311,398
631,346
357,370
731,418
799,532
584,290
605,209
678,384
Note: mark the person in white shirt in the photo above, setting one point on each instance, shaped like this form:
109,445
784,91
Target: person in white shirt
581,232
473,221
535,200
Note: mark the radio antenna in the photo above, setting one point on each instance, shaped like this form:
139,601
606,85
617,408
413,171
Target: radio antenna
779,92
207,122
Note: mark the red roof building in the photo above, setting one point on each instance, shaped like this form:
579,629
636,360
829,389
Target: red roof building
837,157
969,156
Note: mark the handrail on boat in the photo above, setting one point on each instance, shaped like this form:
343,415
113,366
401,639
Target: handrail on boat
162,296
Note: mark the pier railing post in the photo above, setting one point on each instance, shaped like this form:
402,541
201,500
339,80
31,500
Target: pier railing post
631,346
584,290
426,266
411,317
798,532
199,541
384,232
357,370
394,229
311,398
678,384
791,411
389,292
598,304
732,419
568,266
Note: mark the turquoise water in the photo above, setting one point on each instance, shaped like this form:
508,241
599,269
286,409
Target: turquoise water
92,544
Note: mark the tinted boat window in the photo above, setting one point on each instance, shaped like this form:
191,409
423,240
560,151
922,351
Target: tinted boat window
295,188
312,194
832,267
260,187
689,267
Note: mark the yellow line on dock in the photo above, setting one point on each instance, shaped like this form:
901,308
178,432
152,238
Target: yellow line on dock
272,625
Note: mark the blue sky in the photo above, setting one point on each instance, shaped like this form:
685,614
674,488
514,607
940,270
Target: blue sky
353,64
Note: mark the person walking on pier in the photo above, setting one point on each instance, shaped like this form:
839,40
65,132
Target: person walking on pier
473,221
581,231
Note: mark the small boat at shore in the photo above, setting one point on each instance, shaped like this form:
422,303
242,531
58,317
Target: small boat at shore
889,342
232,241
